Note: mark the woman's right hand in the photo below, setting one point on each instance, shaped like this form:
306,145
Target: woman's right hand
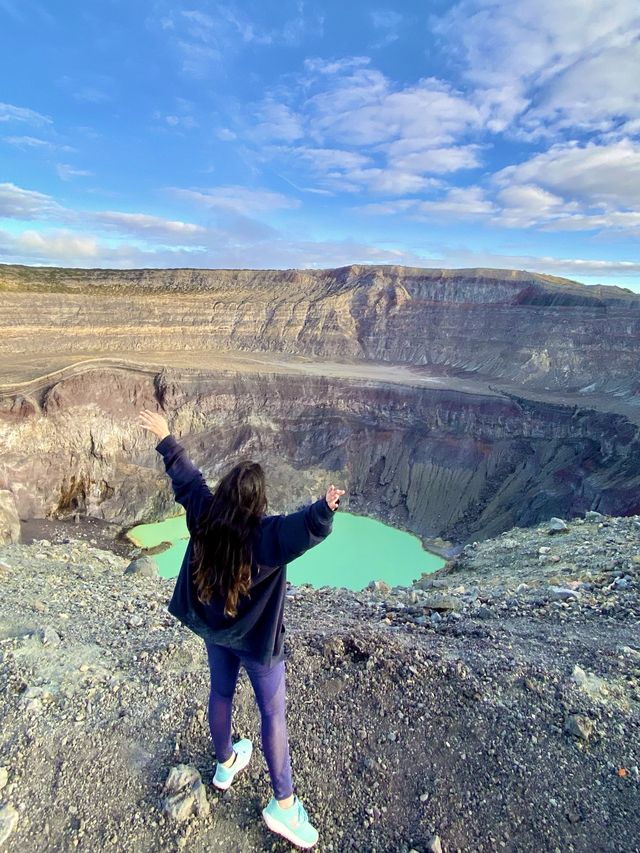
333,496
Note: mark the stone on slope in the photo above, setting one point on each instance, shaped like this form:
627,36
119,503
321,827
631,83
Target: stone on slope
145,566
8,821
184,794
441,602
579,726
9,520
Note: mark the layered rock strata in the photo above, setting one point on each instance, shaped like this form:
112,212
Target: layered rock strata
534,330
438,462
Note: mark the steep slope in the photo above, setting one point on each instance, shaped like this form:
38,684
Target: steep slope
534,330
439,462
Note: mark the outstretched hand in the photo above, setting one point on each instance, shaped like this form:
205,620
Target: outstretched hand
154,422
333,496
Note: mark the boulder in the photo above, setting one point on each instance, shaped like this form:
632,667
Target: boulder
145,566
592,515
9,520
441,602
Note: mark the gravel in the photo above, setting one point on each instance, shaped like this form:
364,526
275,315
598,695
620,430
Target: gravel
493,706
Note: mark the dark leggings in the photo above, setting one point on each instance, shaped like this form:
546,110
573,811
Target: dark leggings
269,688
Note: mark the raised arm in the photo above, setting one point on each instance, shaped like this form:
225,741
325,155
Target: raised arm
189,485
297,532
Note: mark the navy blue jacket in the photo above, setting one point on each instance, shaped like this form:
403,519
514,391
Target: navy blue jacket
258,628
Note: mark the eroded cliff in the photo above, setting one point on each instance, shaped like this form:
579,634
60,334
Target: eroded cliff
534,330
438,462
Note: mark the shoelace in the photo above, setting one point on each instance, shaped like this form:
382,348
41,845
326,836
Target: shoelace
302,814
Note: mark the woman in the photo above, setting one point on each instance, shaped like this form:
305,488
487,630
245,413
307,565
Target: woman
230,591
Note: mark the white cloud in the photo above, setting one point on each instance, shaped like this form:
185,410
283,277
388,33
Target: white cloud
67,172
328,159
570,187
276,121
568,267
363,107
388,24
456,203
23,114
275,252
18,203
408,155
26,142
187,122
92,95
237,199
549,64
357,130
147,226
206,39
53,245
594,174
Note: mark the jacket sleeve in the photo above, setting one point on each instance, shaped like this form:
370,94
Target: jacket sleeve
299,531
189,486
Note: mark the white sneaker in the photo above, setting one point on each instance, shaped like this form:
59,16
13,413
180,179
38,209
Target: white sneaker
224,775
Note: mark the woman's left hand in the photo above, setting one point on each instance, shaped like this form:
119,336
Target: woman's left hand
154,422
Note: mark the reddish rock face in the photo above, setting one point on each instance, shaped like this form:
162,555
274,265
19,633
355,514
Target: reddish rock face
439,462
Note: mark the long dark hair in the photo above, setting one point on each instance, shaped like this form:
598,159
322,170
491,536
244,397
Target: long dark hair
222,540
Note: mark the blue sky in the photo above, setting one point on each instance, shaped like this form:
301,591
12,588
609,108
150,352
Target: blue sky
316,134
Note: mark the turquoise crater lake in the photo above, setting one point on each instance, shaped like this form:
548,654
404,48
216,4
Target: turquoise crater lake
359,550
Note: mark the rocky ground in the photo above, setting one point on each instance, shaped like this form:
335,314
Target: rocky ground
494,706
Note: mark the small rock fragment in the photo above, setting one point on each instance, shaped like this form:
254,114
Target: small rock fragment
8,821
579,726
561,593
434,845
49,636
184,794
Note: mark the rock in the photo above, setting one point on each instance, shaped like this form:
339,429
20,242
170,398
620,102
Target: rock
557,525
591,515
424,798
590,683
4,777
145,566
434,845
8,821
379,586
628,650
578,726
441,602
184,794
49,636
9,520
560,593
